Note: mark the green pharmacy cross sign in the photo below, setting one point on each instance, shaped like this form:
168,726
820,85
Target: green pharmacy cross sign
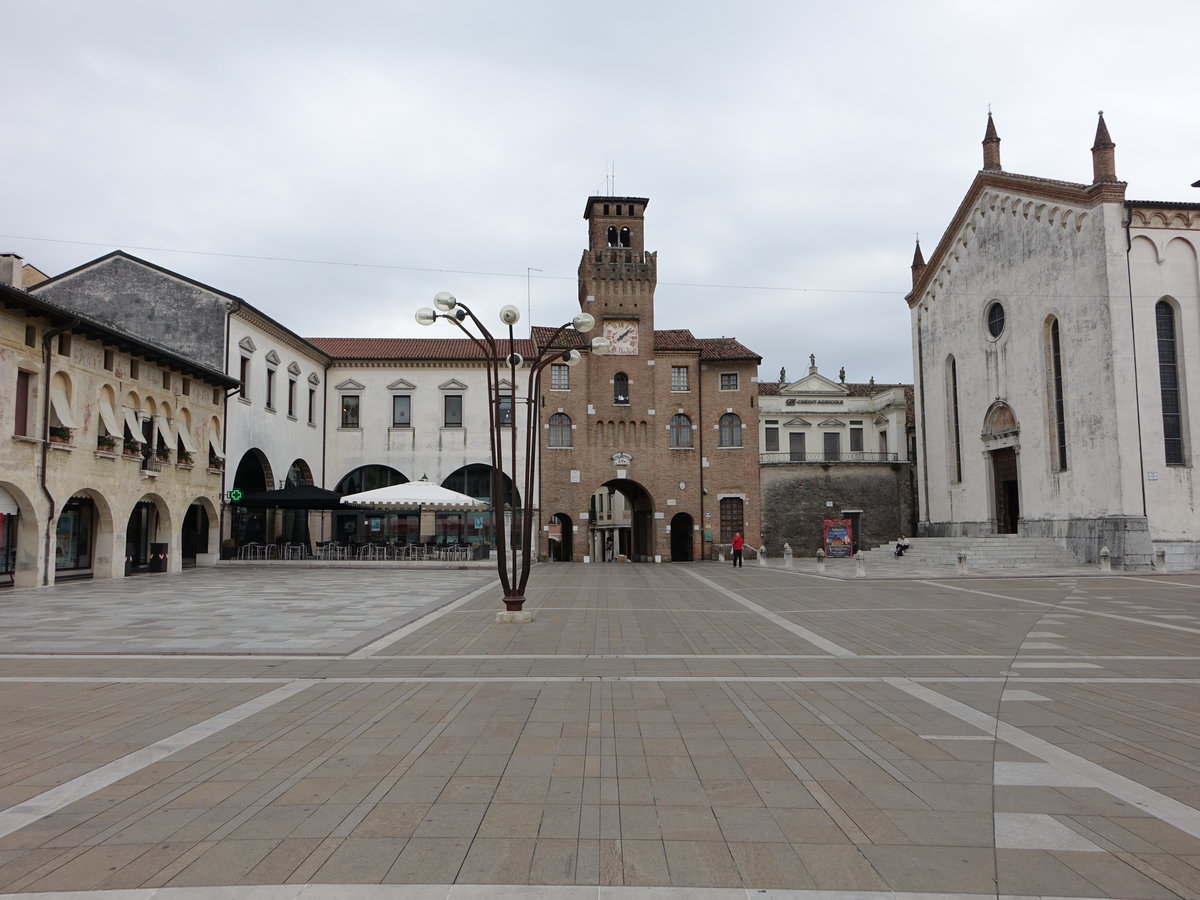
235,495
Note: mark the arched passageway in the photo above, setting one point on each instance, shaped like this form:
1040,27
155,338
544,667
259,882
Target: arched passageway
621,522
682,537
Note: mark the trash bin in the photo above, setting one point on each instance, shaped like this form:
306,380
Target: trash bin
158,557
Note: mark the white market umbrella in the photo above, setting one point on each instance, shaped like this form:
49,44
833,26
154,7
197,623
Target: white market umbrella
414,495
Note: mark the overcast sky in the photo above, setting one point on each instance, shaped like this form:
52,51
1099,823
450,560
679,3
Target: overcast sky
336,164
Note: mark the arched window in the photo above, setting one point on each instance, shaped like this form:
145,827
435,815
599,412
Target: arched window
621,388
681,431
1058,432
625,238
560,430
612,235
1168,381
953,423
731,430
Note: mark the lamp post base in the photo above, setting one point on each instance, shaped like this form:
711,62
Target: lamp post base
514,617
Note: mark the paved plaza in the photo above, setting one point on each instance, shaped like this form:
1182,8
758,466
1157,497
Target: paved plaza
658,732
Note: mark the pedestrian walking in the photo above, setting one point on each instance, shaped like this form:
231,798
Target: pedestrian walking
738,544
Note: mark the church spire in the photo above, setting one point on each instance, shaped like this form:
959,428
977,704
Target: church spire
918,264
991,147
1104,158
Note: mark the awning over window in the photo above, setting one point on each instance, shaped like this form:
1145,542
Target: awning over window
164,428
131,419
108,418
185,438
214,445
62,407
8,506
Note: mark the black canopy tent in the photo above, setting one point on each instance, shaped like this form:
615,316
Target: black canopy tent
298,497
302,496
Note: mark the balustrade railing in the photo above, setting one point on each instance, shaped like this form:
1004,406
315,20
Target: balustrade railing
852,456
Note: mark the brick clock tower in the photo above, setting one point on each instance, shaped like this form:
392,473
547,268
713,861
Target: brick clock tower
650,452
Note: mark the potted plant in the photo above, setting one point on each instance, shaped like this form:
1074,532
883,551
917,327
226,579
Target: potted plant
106,443
131,447
184,458
60,434
215,462
163,453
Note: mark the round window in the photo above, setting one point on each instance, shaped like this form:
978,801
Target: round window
995,320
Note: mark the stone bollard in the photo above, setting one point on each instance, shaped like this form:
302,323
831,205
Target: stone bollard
962,562
762,556
787,556
1105,560
820,562
1160,559
860,565
720,553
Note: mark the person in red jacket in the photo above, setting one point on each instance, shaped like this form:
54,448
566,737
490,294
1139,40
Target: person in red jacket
738,544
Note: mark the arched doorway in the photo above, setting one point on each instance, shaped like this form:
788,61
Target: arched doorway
194,538
75,538
369,524
1001,438
475,480
146,536
621,522
17,539
253,474
682,528
560,538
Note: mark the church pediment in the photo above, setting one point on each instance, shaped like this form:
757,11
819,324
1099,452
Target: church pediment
401,384
350,385
815,384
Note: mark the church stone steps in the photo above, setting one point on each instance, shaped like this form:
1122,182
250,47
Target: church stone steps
991,552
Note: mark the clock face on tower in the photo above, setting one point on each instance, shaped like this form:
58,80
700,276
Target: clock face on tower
623,335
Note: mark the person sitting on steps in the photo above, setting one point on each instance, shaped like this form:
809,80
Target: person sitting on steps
901,545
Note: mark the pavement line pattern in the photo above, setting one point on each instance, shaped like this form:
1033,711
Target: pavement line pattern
388,639
504,892
1159,805
801,632
1086,612
17,817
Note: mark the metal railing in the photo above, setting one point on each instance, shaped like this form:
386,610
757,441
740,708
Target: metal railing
851,456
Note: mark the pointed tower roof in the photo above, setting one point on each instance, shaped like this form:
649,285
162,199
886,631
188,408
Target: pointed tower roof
991,147
1104,157
918,263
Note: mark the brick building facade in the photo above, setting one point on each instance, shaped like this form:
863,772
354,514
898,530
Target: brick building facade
650,451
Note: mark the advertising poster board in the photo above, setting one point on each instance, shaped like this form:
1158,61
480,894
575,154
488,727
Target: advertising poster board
839,539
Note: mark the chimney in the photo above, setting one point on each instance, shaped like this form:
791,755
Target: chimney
991,147
10,270
1104,159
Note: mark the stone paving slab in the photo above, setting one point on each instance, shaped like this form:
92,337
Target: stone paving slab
657,731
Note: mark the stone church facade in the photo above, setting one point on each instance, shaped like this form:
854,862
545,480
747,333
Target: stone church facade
1056,339
651,451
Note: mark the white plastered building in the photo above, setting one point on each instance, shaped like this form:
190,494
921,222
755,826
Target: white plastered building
1056,341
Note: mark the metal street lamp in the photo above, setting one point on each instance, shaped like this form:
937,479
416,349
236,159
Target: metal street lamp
498,354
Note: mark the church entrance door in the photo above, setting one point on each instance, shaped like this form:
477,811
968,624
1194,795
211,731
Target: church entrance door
1004,479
